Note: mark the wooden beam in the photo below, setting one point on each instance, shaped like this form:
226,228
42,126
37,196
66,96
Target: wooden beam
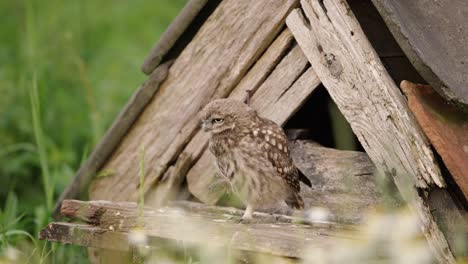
343,182
85,235
114,220
206,69
114,135
350,69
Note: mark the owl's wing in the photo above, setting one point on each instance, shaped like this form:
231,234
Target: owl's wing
274,143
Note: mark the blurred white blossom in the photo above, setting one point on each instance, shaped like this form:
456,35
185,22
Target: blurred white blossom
318,215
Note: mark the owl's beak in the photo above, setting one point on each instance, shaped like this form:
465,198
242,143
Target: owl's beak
206,125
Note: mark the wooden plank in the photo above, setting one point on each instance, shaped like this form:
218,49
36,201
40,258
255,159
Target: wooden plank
206,69
445,126
278,98
172,34
118,248
114,134
281,239
98,212
167,188
343,182
339,51
85,235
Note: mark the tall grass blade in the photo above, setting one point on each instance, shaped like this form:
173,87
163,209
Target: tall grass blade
41,144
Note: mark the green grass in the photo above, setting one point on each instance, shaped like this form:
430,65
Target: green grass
67,68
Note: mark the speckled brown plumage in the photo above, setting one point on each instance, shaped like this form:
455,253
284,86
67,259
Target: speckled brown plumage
252,153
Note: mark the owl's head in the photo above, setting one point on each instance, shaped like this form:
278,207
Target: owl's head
222,115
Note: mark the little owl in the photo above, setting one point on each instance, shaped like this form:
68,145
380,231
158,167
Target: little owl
252,154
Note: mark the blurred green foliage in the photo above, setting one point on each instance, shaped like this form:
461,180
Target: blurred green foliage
71,65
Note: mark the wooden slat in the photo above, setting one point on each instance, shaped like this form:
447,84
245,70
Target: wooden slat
278,98
343,182
85,235
172,33
114,134
206,69
349,68
114,219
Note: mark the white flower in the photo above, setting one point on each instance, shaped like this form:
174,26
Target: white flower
12,253
137,238
318,215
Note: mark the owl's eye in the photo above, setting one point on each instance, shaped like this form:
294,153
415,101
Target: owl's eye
218,120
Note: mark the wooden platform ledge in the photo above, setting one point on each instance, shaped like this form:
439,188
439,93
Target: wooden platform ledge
108,224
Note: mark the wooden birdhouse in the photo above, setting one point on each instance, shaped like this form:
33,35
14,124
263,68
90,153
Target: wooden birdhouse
305,65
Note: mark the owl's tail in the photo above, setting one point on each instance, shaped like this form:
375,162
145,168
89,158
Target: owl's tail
295,201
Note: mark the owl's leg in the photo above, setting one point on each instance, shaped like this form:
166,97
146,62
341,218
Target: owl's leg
248,213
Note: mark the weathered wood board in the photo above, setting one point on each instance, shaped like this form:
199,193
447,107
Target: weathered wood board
445,126
108,225
350,69
206,69
278,98
343,182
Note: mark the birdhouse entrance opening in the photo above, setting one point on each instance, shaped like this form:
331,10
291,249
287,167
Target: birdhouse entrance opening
320,120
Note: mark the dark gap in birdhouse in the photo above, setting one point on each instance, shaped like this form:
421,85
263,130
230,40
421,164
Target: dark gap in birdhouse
393,58
320,120
192,29
455,192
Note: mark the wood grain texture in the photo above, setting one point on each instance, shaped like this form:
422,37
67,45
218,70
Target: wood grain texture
171,34
278,98
343,182
349,68
167,188
84,235
114,135
216,229
445,126
206,69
